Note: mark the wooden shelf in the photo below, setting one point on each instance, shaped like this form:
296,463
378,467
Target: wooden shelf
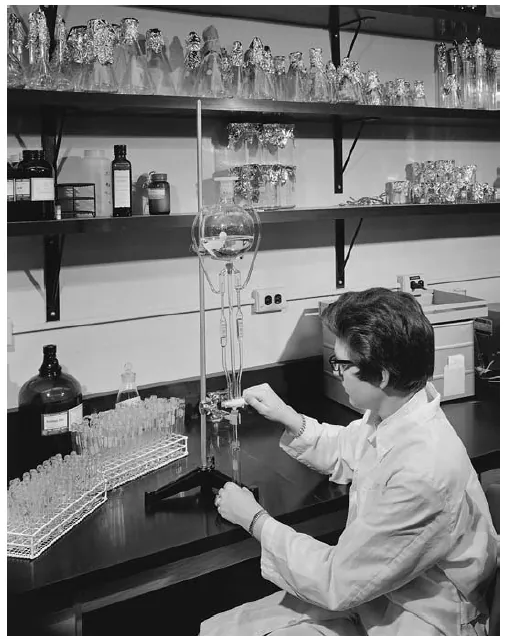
412,21
22,100
160,223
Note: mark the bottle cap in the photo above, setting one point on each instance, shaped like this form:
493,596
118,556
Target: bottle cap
159,177
30,154
120,148
95,153
49,349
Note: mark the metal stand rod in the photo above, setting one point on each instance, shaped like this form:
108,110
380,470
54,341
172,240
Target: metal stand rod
202,311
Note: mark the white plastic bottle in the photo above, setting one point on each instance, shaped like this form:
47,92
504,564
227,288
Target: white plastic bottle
97,169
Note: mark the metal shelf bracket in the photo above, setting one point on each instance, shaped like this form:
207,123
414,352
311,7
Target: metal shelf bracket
53,249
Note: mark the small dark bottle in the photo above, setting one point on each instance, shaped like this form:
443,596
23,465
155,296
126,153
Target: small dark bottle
159,195
11,193
48,404
35,188
121,171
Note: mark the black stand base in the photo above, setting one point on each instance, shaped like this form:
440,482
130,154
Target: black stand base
206,479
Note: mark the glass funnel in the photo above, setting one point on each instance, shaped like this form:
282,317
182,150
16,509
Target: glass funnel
225,231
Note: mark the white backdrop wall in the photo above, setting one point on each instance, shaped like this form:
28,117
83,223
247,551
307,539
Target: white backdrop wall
134,298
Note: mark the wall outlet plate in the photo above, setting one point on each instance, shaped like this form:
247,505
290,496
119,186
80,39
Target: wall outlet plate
411,282
269,300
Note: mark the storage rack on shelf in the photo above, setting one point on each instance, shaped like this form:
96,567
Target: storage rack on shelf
415,22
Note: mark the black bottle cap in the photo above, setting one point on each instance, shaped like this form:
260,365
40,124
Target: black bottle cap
49,349
120,149
159,177
30,154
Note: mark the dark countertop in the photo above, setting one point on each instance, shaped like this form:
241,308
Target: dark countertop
119,540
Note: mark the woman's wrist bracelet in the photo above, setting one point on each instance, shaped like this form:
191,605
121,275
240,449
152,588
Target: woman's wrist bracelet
255,518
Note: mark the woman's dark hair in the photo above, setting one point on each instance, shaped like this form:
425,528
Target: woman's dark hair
385,329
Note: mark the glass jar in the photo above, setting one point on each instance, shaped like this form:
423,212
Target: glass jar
35,187
159,194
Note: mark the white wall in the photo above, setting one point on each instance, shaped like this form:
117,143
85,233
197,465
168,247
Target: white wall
123,302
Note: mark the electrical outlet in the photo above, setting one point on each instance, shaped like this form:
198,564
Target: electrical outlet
411,283
269,300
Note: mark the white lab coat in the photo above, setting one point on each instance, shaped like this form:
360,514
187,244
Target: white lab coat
419,543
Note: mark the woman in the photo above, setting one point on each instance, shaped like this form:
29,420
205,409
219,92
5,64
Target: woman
419,541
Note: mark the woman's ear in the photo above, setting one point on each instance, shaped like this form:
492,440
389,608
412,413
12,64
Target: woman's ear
385,379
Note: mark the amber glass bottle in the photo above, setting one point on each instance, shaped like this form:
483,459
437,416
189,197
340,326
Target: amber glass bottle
121,170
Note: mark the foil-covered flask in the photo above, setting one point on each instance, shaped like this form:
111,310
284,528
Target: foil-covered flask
280,78
226,70
136,79
373,89
296,78
332,79
237,70
15,64
349,88
158,63
209,77
100,76
468,81
255,83
268,67
440,71
452,93
192,64
318,87
419,99
41,77
77,44
481,80
60,62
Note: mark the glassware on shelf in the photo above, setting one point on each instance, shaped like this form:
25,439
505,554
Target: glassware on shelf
38,46
15,65
77,43
348,87
279,80
332,80
237,66
440,72
192,64
268,66
373,89
494,79
287,187
256,85
452,93
401,95
419,99
209,76
158,63
318,88
136,79
226,71
481,80
226,230
100,75
296,78
468,81
128,393
60,60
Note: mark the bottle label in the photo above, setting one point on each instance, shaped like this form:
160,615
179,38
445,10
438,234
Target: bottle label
42,189
121,181
10,190
156,194
130,400
23,189
58,423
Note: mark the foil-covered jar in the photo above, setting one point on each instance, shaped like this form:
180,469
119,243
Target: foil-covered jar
278,144
413,172
287,187
398,192
418,193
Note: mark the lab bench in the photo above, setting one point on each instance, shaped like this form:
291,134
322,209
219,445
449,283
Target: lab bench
121,554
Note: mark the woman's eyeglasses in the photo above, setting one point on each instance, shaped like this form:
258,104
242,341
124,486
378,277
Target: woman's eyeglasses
339,366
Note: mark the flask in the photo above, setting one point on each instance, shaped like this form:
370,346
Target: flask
121,170
97,169
159,194
49,403
419,94
136,79
318,88
296,78
35,187
192,64
60,60
279,78
77,41
209,76
100,77
128,393
158,63
42,78
481,80
237,69
15,68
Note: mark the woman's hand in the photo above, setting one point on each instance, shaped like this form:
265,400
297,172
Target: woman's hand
237,505
267,403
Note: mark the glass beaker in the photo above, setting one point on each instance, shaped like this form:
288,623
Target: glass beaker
209,76
318,88
158,63
192,64
100,75
136,79
419,94
296,84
